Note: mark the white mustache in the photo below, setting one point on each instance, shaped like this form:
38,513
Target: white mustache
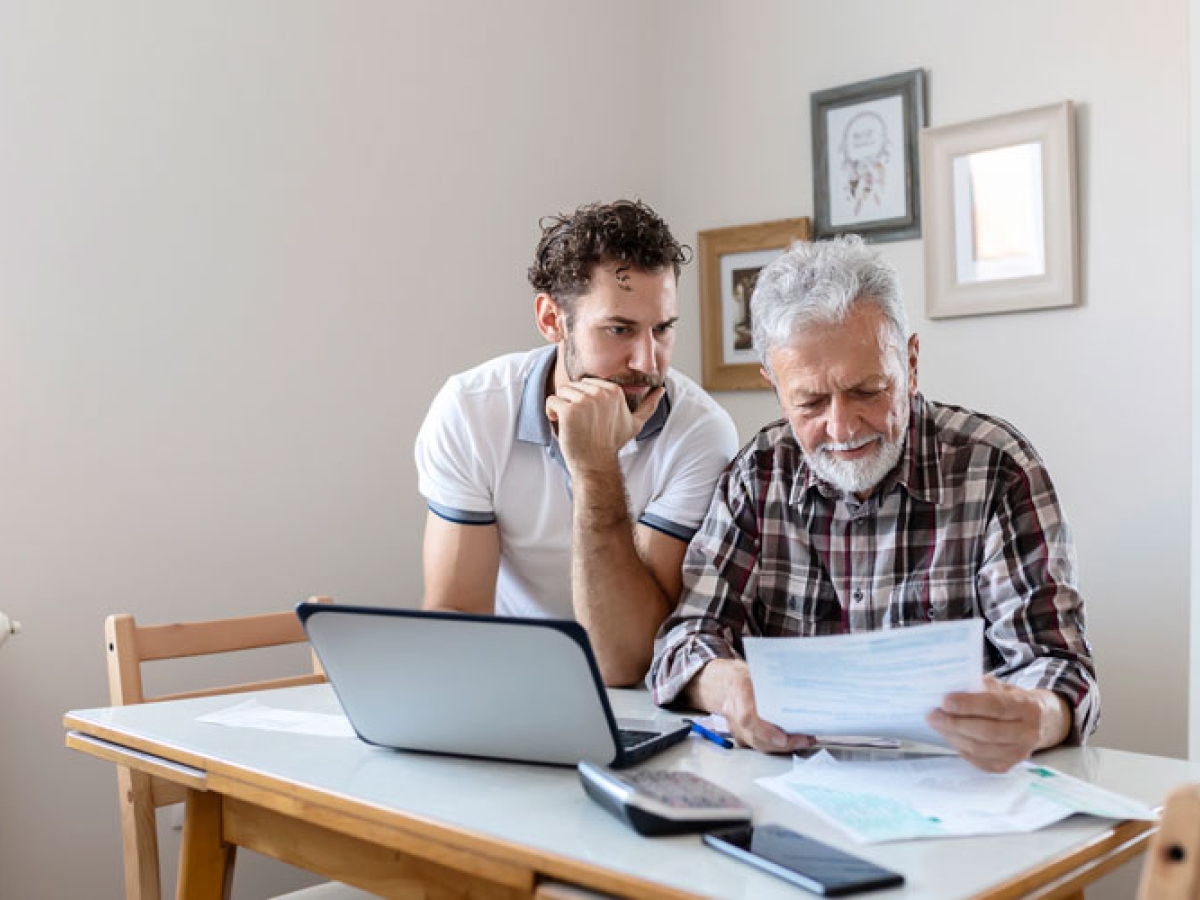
849,445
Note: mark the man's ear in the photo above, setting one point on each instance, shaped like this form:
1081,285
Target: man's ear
914,350
550,319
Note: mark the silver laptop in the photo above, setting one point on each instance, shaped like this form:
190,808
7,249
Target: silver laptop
490,686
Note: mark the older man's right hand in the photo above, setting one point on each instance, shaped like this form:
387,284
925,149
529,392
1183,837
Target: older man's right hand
723,686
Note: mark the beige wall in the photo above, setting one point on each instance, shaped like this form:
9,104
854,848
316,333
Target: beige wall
242,244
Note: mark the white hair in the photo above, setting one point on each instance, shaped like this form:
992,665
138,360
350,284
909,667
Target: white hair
819,283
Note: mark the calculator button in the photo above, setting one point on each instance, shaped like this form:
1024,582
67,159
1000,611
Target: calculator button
682,789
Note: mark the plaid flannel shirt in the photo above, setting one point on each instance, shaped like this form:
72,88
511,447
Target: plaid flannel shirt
967,524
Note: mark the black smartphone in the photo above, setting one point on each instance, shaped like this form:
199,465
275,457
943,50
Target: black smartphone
810,864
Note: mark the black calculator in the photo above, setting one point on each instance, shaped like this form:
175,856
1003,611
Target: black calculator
654,802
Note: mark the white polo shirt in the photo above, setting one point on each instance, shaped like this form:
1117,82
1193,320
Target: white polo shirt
486,454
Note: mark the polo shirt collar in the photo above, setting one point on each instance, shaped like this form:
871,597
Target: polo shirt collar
656,422
532,425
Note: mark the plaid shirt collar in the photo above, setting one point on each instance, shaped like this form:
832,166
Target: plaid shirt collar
918,472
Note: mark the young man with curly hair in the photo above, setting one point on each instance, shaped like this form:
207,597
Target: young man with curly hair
566,482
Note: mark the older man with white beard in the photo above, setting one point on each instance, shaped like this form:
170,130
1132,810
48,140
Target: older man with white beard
870,507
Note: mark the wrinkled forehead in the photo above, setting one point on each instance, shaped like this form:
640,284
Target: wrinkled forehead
840,354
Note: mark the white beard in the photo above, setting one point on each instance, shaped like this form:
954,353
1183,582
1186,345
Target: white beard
856,476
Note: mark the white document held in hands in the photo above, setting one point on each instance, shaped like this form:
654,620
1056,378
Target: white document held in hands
878,683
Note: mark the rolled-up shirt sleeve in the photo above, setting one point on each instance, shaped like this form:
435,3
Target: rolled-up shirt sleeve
720,578
1028,589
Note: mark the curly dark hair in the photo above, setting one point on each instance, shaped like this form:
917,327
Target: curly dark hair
626,231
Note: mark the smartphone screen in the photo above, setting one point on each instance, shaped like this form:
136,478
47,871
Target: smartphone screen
814,866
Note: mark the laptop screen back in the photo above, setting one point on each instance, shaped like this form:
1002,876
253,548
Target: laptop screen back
519,689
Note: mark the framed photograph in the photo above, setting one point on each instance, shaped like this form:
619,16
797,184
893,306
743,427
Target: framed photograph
730,260
999,195
865,174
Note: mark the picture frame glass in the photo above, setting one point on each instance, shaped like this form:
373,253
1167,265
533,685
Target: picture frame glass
867,162
999,220
739,274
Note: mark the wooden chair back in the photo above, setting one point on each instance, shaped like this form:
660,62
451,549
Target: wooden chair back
1172,869
129,645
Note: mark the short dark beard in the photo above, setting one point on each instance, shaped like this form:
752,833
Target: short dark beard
571,356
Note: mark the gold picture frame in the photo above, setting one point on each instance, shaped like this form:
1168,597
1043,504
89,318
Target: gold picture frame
730,260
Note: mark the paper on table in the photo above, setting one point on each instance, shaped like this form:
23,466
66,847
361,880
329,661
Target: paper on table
1082,797
878,683
942,797
252,714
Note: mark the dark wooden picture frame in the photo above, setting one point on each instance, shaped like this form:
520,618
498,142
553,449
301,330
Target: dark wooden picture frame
866,172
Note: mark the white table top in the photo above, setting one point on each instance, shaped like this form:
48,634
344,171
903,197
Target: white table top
545,808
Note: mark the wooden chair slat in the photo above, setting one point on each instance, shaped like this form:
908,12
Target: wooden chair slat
128,645
183,639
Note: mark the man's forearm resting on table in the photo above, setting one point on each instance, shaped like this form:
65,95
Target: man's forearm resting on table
709,687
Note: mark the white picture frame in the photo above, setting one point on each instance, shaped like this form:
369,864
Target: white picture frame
999,197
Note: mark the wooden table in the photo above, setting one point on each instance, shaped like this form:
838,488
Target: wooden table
397,823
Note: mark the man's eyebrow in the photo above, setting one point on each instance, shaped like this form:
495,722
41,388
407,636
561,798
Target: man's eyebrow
870,382
873,381
622,320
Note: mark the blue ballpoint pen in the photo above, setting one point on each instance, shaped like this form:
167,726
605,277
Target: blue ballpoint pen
719,739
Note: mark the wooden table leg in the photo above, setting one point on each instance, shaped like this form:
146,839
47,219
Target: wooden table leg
205,860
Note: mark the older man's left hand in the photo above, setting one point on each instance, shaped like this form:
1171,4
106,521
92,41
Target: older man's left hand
1001,725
